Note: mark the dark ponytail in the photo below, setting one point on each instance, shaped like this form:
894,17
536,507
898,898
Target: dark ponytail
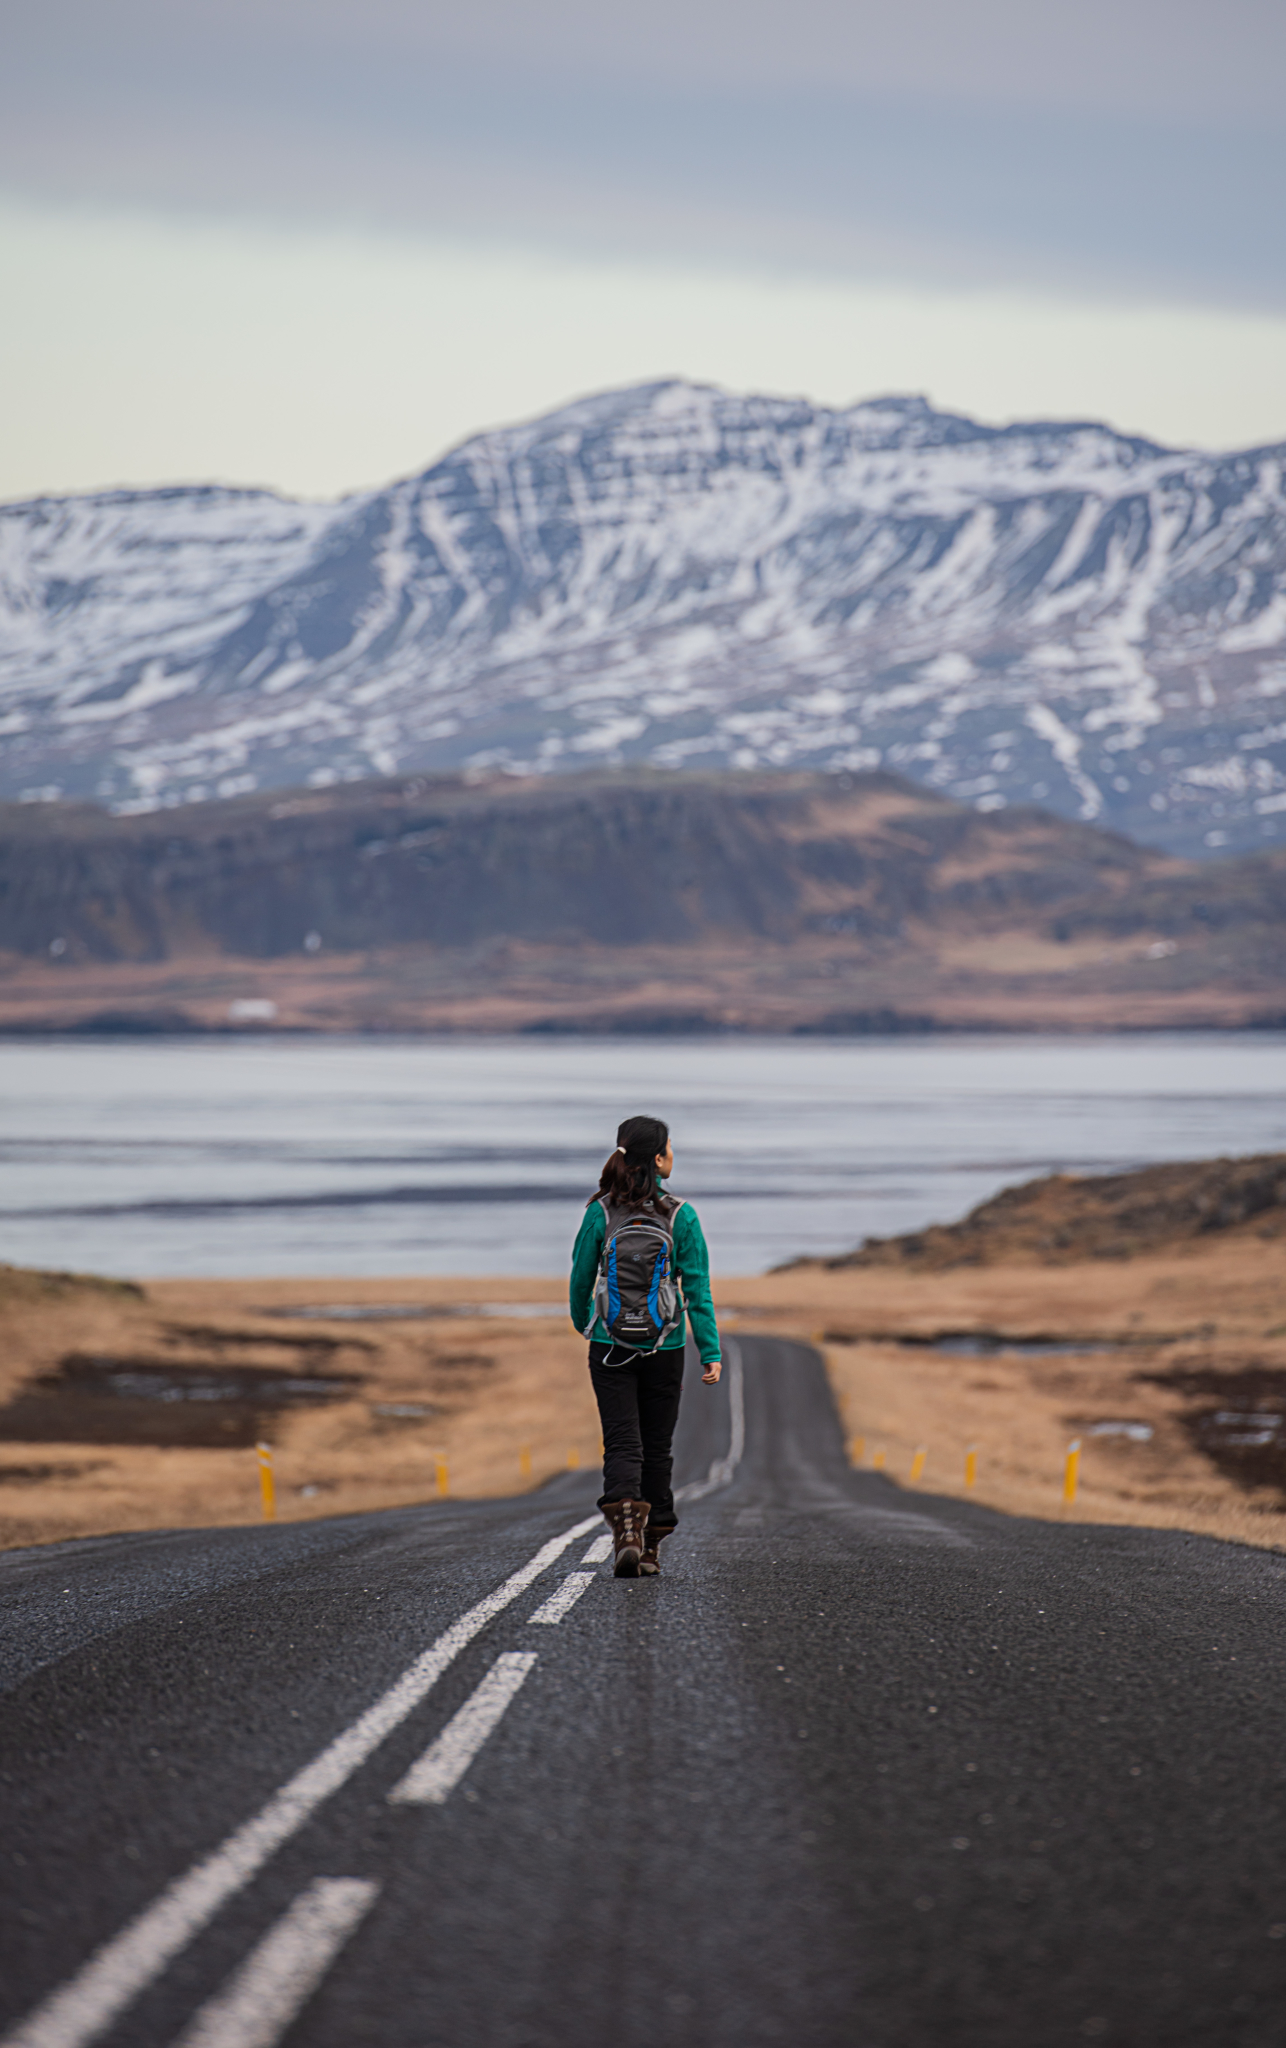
628,1179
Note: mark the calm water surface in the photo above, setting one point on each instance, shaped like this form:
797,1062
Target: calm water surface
334,1156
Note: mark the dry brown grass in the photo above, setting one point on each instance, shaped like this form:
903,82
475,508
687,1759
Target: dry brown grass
1208,1307
1217,1306
497,1386
1009,980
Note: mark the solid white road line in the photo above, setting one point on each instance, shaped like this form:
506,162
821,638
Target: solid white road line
445,1761
259,2001
122,1967
598,1551
563,1596
722,1470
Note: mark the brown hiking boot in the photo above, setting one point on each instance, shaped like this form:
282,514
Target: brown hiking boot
650,1563
627,1520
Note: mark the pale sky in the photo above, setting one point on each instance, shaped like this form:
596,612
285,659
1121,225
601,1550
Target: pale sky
312,243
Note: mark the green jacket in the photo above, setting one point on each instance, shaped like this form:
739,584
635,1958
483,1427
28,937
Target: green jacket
692,1270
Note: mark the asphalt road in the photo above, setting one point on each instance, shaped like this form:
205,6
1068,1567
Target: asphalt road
860,1768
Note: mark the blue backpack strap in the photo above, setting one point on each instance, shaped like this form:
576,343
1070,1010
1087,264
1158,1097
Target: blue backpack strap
654,1289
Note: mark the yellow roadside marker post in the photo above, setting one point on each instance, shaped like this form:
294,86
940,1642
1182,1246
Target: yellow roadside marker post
917,1462
857,1449
524,1461
1071,1471
877,1461
971,1465
267,1490
573,1458
444,1486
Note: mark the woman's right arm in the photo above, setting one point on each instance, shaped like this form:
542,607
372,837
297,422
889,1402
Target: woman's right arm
585,1257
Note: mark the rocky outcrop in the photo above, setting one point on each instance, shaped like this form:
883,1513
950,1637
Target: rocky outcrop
1063,1218
610,861
851,904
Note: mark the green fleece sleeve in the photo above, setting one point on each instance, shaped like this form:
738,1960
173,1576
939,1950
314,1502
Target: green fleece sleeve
692,1262
586,1253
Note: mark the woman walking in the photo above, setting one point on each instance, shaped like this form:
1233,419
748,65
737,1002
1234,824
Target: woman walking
639,1268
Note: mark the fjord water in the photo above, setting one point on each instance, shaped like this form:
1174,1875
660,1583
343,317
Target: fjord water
357,1156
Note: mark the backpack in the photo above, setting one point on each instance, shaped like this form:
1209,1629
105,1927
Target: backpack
635,1296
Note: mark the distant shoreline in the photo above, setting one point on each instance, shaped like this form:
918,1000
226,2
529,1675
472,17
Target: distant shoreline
130,1027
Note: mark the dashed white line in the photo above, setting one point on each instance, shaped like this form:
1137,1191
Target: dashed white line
117,1972
564,1595
445,1761
258,2003
599,1550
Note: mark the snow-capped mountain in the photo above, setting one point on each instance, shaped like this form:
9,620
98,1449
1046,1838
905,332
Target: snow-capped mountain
670,574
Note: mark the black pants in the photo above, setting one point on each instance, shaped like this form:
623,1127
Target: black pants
638,1404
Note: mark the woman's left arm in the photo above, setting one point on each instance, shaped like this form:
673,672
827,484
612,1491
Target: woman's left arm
692,1262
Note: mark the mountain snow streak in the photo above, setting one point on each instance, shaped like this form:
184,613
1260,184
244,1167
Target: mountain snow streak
1049,613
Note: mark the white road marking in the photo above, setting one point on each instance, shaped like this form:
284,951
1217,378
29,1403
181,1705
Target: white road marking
259,2001
722,1470
445,1761
117,1972
598,1551
564,1595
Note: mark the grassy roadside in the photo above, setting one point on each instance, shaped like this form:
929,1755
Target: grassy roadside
1165,1342
1111,1312
445,1395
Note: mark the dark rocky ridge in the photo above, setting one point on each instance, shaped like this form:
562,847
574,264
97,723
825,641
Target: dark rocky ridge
1063,1218
603,860
613,901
